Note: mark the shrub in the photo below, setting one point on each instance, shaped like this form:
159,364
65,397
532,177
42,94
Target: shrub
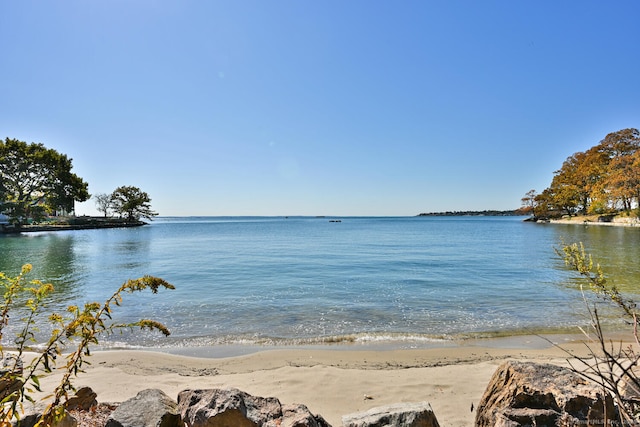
613,367
77,329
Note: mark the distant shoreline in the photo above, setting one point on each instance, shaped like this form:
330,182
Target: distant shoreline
476,213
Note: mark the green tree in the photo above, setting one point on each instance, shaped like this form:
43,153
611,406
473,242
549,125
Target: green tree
35,180
132,203
103,203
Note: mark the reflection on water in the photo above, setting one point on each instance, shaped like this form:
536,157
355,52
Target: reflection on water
133,253
52,256
76,262
616,249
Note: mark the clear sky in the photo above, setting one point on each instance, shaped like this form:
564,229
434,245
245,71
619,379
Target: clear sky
323,107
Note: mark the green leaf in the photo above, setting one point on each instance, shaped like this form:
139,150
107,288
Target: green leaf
36,382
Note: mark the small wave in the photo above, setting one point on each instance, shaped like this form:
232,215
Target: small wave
391,339
387,340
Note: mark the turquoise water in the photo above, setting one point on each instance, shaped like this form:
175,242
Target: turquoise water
303,280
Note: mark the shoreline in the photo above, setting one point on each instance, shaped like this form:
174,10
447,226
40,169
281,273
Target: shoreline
594,220
525,341
66,227
331,382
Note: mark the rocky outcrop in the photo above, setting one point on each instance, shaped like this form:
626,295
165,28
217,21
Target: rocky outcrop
404,414
150,408
527,393
232,407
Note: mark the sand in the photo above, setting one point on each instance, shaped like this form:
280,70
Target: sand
333,380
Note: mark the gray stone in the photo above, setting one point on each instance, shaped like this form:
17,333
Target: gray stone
527,393
234,408
33,412
150,408
402,414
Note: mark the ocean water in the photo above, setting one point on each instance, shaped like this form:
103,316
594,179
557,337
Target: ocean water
301,280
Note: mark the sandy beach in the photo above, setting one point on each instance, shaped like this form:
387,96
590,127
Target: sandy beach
331,381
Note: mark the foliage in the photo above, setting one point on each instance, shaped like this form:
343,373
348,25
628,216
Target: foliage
614,368
603,179
132,203
35,180
79,327
103,203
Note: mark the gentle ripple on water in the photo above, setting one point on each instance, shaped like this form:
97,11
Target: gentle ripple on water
308,280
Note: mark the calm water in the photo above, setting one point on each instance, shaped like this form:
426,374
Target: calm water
309,280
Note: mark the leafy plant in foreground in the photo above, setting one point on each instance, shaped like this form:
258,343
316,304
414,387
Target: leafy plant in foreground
612,367
79,328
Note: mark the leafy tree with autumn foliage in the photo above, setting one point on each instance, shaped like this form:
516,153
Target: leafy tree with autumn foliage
603,179
528,202
622,181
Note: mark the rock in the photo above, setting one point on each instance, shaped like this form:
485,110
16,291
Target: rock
33,412
234,408
67,421
226,407
629,389
527,393
297,415
150,408
403,414
84,399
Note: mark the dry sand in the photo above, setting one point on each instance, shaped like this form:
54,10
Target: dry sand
331,381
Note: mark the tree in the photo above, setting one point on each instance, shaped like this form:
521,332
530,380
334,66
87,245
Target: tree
621,179
544,207
132,203
529,202
103,203
612,367
574,186
603,179
35,180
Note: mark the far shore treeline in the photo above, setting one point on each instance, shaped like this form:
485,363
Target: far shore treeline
604,180
517,212
37,186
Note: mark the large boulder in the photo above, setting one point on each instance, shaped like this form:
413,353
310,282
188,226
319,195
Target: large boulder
527,393
403,414
149,408
234,408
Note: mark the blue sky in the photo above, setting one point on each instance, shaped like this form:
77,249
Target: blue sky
273,107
